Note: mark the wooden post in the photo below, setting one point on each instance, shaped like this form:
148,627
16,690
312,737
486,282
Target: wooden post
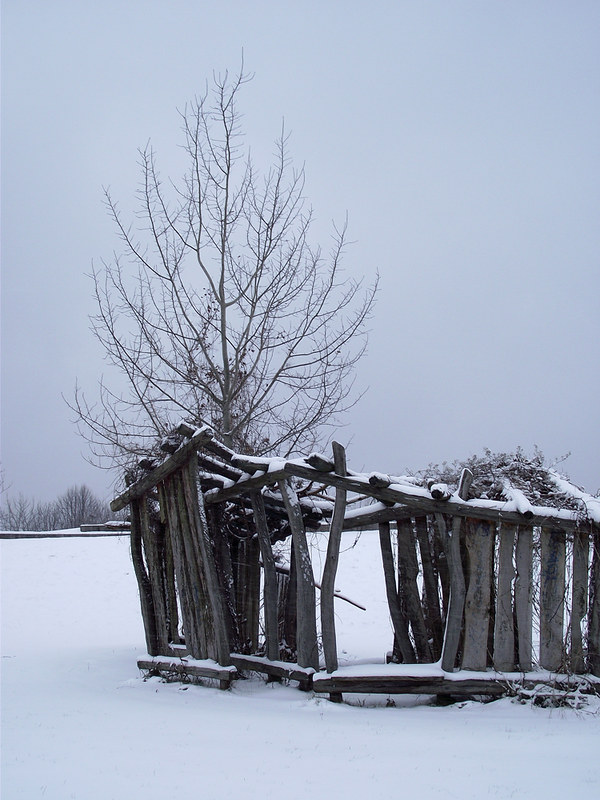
479,542
399,622
430,582
154,551
248,593
331,564
191,592
145,590
552,599
270,576
594,615
195,502
408,572
524,596
456,605
579,595
308,651
504,630
171,590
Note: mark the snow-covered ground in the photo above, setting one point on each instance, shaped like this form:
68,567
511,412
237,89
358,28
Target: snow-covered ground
78,721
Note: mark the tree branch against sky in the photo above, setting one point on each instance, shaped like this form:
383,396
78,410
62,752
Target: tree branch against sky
218,307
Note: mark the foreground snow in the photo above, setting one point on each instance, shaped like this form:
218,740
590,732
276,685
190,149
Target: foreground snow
79,722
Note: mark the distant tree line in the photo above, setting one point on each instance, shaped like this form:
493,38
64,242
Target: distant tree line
77,506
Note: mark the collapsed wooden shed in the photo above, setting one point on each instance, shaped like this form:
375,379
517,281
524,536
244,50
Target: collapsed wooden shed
485,592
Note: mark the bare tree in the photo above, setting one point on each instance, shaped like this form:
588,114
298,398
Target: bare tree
77,506
219,309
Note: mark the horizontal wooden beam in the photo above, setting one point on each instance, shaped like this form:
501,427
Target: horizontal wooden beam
168,466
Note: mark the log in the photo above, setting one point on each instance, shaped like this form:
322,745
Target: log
168,467
270,576
524,596
306,633
579,598
154,550
410,500
274,669
248,593
216,603
320,463
145,590
188,670
430,583
504,631
408,590
456,605
399,622
479,542
409,684
552,599
331,565
189,581
594,615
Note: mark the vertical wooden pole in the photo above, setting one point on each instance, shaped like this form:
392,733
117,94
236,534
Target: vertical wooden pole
270,576
308,651
216,604
154,551
524,597
504,629
456,605
594,615
479,542
430,583
171,588
552,599
145,590
399,622
579,595
408,572
331,564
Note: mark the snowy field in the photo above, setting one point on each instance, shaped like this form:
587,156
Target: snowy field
79,722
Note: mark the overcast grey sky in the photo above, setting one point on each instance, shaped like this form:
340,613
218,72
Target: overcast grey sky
462,138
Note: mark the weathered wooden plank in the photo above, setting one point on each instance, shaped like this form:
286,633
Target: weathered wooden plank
454,619
270,576
579,598
524,596
594,615
170,585
399,622
408,591
331,564
248,593
406,684
552,599
185,564
430,584
308,651
145,589
183,668
504,630
479,542
153,545
193,495
275,669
